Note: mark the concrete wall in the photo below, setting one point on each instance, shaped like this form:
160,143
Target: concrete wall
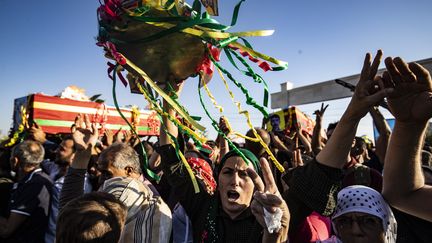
323,91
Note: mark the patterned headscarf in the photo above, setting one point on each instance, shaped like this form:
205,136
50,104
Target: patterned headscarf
203,171
364,199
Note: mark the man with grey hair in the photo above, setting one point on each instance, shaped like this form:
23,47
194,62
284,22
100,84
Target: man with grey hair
148,217
119,159
30,198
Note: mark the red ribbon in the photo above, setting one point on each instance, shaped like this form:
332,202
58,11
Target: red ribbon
262,64
113,51
110,70
206,66
108,10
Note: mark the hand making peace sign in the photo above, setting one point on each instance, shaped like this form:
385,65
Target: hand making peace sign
267,196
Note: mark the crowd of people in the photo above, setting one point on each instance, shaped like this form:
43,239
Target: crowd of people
91,187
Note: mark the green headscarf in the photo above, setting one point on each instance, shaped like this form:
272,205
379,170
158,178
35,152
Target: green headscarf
248,154
210,229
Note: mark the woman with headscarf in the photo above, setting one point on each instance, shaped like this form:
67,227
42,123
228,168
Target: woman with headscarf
234,210
362,215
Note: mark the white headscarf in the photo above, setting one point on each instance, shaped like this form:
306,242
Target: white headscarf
364,199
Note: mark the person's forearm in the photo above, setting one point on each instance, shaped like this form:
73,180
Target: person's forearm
379,121
223,146
402,168
336,152
170,127
305,142
279,144
154,160
403,186
73,186
384,133
81,158
381,147
316,137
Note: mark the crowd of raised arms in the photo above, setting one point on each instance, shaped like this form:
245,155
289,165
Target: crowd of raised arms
90,187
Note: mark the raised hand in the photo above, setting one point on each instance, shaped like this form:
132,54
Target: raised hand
369,90
119,136
320,113
109,136
131,138
37,134
224,125
127,136
411,104
84,134
412,99
267,196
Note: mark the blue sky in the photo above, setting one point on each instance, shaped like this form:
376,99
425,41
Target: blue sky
48,45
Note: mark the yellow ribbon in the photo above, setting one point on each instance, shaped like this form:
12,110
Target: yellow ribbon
161,112
212,98
258,54
205,32
21,127
135,117
246,114
166,97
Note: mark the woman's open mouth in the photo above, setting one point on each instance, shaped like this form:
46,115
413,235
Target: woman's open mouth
233,195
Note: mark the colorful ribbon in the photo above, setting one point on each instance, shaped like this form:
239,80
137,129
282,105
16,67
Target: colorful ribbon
18,134
155,106
250,125
145,165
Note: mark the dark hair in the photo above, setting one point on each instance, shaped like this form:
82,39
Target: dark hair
69,137
93,217
5,166
148,149
274,116
332,126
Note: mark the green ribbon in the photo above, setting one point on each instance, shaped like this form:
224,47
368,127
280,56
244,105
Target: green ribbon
216,127
250,72
227,41
235,13
155,103
175,121
196,7
203,20
150,173
249,99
